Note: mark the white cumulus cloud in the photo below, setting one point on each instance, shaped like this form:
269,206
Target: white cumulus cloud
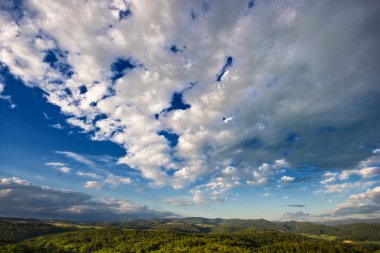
93,184
266,66
287,179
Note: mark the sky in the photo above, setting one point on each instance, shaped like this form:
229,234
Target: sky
113,110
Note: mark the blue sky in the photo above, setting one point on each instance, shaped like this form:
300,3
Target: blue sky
269,110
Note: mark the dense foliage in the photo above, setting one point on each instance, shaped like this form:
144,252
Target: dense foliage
359,232
186,235
119,240
18,230
356,232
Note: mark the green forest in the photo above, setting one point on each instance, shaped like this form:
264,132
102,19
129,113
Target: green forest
181,235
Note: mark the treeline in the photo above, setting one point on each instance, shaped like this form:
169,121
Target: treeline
356,232
18,230
359,232
119,240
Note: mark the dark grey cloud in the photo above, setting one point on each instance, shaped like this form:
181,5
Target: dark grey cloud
20,198
296,205
320,106
362,209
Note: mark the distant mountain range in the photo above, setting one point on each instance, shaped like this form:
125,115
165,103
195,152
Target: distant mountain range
343,229
349,221
354,229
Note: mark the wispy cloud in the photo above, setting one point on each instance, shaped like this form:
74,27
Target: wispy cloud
57,126
64,169
117,180
328,180
364,172
88,174
296,205
59,166
93,184
108,180
54,164
6,97
337,188
77,157
344,187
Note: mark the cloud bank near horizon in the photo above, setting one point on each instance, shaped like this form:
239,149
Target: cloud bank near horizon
20,198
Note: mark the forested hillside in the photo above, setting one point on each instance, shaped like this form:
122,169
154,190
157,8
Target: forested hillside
118,240
357,231
186,235
18,230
